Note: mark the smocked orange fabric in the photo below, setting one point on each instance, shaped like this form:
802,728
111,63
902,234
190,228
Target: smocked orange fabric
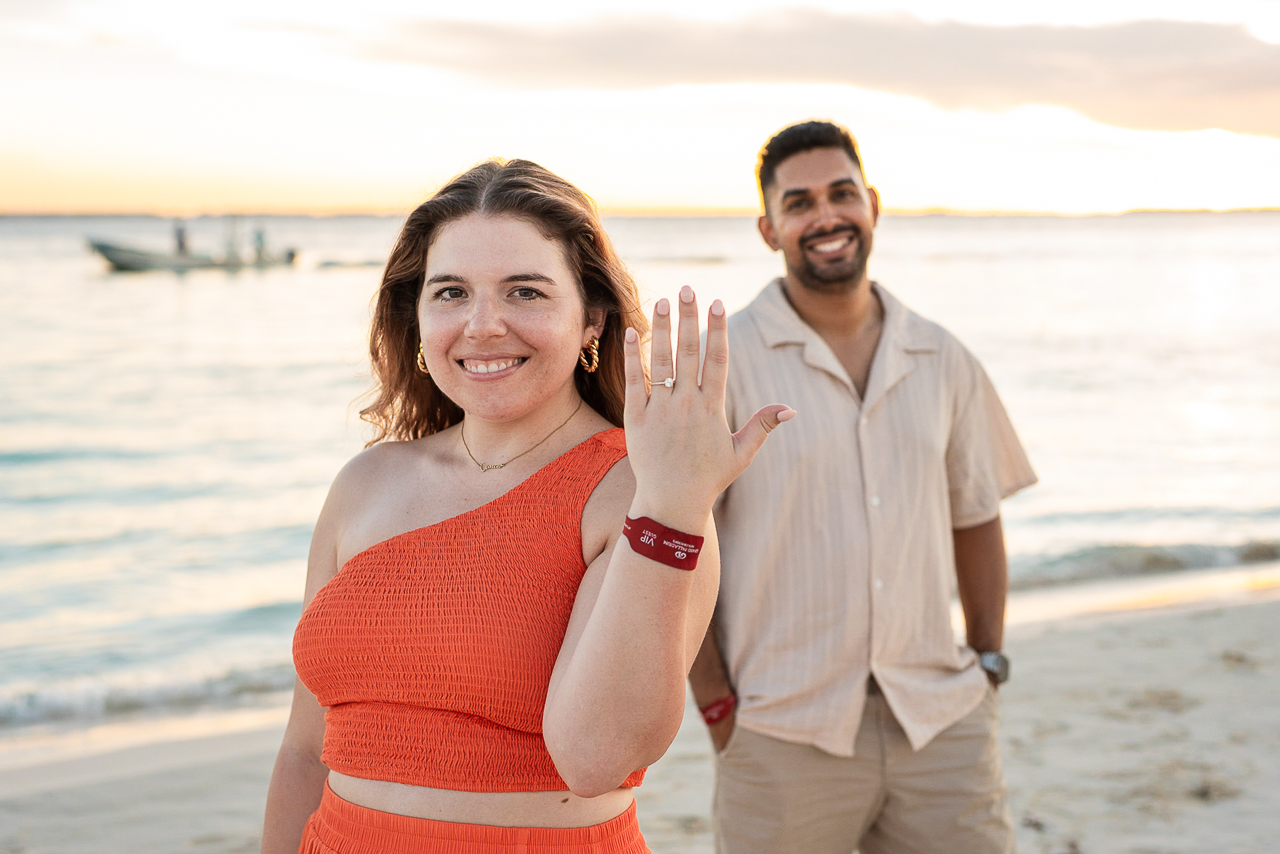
433,650
341,827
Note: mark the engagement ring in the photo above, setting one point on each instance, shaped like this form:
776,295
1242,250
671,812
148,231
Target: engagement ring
669,382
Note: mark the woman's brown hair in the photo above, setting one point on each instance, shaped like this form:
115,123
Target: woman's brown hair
407,404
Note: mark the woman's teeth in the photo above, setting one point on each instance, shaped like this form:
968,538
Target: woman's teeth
489,367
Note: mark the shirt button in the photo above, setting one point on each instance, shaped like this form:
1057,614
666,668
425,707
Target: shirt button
875,501
879,584
863,421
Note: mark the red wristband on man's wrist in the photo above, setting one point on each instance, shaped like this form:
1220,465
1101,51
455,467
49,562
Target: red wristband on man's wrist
715,712
658,542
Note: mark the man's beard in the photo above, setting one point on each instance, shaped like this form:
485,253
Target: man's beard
837,278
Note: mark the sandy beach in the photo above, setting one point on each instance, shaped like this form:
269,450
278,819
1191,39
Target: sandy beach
1143,716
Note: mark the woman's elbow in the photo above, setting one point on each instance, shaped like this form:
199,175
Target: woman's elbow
591,784
596,766
589,770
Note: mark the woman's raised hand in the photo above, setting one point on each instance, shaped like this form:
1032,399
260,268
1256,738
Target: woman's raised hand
678,438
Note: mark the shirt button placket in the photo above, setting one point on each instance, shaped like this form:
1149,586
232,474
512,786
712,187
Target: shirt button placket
874,500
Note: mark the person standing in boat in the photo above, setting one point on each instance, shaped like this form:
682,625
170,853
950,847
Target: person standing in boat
504,592
180,237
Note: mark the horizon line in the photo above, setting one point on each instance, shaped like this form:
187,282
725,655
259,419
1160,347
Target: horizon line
632,211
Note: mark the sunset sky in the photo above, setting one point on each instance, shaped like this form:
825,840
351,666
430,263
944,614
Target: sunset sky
280,106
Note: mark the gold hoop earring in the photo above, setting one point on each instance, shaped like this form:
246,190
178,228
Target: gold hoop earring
594,349
422,360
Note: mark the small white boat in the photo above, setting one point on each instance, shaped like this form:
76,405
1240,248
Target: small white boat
128,259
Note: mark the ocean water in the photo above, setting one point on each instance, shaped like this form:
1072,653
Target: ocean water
166,441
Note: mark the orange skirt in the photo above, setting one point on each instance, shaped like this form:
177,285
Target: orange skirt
341,827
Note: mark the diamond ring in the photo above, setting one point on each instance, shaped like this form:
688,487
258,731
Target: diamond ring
669,382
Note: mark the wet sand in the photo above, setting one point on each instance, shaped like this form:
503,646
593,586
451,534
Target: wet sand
1150,730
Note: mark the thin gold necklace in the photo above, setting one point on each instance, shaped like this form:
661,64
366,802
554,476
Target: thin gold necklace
487,466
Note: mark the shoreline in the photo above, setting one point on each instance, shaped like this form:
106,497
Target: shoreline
1194,588
1028,611
51,761
1141,716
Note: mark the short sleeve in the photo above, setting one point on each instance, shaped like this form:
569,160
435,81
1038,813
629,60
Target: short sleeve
985,460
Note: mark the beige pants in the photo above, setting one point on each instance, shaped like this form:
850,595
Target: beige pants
775,797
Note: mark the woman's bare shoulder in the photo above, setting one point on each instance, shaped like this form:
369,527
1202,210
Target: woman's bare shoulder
378,468
367,468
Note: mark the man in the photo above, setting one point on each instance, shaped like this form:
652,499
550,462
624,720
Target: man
843,711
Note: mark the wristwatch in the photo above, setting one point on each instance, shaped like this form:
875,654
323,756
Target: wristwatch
996,664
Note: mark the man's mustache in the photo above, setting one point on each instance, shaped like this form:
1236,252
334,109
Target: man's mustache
839,229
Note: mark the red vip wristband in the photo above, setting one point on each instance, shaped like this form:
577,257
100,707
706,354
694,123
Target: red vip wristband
714,713
663,544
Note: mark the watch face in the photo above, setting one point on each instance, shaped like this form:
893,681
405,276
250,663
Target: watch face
996,664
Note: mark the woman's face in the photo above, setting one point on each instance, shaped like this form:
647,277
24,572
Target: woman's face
501,316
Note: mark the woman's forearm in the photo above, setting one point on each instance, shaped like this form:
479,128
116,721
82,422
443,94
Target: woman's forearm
619,700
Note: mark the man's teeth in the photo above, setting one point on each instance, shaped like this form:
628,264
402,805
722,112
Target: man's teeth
831,245
489,367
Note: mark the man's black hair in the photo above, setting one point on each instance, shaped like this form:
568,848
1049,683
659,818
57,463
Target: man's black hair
797,139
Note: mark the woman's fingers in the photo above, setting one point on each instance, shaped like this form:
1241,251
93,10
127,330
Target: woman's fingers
750,439
660,363
689,435
690,347
715,365
636,393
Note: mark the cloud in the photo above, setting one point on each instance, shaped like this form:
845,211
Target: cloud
1155,75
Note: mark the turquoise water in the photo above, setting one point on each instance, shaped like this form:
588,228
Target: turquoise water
166,441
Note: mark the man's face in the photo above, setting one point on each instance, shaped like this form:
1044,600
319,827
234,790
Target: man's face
821,215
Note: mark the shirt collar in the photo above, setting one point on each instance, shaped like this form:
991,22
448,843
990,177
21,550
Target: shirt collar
905,335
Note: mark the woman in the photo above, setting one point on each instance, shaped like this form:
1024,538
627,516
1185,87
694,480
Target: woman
499,610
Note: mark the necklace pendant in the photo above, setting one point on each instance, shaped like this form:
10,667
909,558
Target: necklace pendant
462,431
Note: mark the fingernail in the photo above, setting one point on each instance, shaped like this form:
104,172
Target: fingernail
786,415
632,337
717,308
686,294
663,307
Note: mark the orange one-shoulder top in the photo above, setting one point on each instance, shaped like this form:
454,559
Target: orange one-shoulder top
433,650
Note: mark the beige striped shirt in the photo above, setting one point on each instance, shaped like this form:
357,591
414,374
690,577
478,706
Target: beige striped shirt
836,543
